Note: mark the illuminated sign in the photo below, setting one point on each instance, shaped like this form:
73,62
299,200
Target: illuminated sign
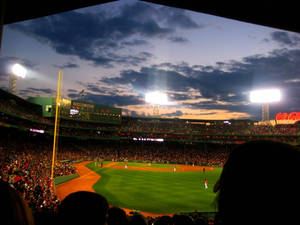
73,111
149,139
288,116
37,131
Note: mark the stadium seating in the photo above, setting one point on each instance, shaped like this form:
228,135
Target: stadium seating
26,145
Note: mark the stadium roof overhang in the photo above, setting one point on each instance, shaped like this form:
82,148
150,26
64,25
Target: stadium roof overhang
16,11
273,14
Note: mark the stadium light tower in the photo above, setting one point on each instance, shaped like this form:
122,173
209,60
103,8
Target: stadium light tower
156,99
17,71
265,97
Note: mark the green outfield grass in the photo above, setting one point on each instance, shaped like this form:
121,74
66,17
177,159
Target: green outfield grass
62,179
157,191
104,162
153,165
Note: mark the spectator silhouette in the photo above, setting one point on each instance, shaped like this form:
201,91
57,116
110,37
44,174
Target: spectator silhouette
137,219
83,207
259,185
163,220
201,220
45,217
116,216
14,209
182,220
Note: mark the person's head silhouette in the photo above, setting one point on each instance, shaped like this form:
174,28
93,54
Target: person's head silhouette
259,184
117,216
14,209
83,207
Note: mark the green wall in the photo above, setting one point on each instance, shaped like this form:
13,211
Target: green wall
46,103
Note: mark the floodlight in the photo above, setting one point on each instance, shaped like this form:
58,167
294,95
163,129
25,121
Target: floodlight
156,98
19,70
265,96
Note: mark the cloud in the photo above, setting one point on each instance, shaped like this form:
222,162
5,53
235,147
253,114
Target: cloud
151,78
111,100
224,86
132,113
134,42
29,92
177,113
178,18
44,90
178,39
75,96
100,37
68,65
167,16
286,38
96,88
72,90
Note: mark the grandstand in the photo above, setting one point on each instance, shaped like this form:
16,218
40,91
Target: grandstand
27,132
83,120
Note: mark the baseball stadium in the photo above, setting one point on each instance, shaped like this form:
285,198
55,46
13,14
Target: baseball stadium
153,166
162,113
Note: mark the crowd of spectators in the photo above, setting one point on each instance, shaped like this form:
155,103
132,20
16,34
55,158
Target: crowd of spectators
210,155
25,163
212,133
19,115
155,126
268,204
185,127
92,125
25,160
20,107
18,112
27,167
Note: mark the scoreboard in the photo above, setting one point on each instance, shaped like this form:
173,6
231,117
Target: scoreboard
79,110
93,112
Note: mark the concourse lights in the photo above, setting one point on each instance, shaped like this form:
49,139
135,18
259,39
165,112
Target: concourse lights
19,70
156,98
265,96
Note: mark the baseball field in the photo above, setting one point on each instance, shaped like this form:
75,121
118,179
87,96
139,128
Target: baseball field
152,188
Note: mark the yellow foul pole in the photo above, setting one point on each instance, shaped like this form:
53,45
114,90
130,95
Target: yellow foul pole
56,125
